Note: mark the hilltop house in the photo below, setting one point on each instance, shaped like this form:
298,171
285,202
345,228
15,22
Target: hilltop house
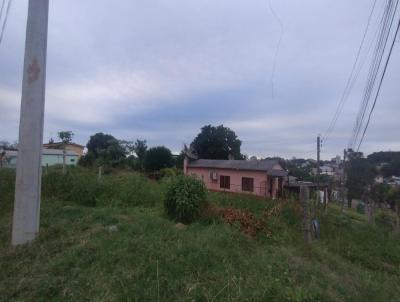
259,177
49,157
78,149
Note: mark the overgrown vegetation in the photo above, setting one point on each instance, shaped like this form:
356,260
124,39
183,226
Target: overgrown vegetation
184,198
83,187
121,246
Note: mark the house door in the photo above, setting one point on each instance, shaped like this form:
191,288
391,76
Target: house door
263,188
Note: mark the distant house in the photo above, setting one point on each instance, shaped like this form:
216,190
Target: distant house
50,157
327,170
259,177
393,180
78,149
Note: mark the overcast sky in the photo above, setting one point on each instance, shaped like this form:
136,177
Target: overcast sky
161,69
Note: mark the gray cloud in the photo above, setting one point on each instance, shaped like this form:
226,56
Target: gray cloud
162,69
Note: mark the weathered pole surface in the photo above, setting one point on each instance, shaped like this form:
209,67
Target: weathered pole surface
304,201
28,179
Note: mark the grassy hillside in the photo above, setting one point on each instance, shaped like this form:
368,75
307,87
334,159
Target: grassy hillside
121,247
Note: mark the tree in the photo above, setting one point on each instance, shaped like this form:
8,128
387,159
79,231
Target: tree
393,198
217,143
127,146
5,145
360,174
179,160
377,195
140,148
103,149
66,138
158,158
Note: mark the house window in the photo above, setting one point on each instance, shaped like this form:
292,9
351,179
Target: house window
225,182
213,176
247,184
72,160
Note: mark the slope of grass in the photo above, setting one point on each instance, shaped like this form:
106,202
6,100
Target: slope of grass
134,253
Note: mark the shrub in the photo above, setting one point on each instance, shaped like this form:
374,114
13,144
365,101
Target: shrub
385,219
185,196
360,208
168,172
7,188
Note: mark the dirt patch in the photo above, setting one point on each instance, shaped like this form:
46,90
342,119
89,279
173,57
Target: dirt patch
248,222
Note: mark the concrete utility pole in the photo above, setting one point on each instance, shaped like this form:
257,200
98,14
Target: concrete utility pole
28,180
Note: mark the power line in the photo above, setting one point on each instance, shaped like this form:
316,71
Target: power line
5,19
371,78
385,28
380,84
371,75
351,80
277,48
2,8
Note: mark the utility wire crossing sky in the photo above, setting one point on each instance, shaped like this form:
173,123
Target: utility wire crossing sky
273,71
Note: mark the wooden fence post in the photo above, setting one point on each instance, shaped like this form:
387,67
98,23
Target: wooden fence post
304,200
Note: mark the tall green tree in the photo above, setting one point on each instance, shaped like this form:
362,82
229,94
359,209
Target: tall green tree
158,158
103,149
140,148
393,197
217,143
360,174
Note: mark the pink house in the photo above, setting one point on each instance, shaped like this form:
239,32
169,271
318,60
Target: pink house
259,177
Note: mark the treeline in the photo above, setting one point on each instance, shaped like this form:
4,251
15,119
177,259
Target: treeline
106,150
213,142
360,183
361,173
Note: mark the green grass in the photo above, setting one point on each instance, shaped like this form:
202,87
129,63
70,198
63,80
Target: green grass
78,258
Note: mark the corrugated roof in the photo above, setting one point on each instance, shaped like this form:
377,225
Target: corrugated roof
59,144
249,165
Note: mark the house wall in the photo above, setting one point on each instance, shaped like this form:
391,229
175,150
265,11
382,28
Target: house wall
55,159
76,149
261,180
11,162
47,159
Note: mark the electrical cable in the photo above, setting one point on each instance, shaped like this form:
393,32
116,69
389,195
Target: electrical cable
382,42
379,87
5,21
277,48
351,80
